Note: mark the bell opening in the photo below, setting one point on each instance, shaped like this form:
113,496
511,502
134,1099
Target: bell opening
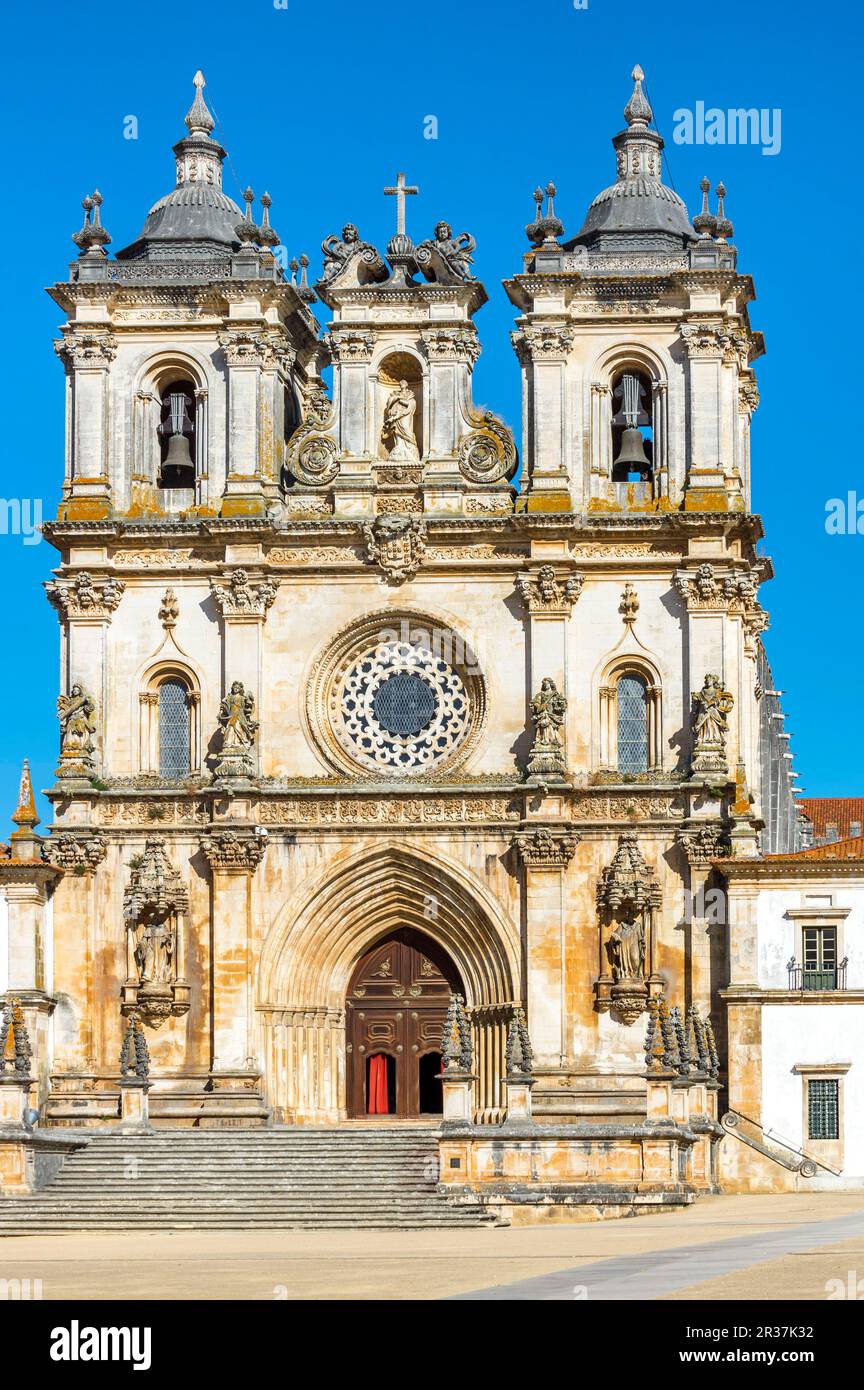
177,436
632,429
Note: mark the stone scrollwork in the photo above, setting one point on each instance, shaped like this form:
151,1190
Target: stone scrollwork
155,910
487,454
628,897
311,453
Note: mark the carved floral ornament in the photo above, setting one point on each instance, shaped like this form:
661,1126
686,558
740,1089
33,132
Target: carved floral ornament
703,843
247,348
243,597
543,847
704,590
549,592
350,346
85,596
75,853
234,850
451,345
82,350
543,343
724,342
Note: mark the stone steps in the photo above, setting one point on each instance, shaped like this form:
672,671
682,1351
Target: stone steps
381,1178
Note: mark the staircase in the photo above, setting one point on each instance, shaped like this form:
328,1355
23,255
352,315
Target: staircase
246,1179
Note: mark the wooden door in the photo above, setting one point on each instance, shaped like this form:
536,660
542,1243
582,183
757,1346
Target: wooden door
395,1010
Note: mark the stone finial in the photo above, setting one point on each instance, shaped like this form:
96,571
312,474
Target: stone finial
629,605
638,111
93,237
169,610
198,120
546,228
15,1049
456,1052
248,231
266,235
724,226
705,223
134,1053
25,816
519,1052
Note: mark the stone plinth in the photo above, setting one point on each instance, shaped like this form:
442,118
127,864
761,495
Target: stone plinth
134,1103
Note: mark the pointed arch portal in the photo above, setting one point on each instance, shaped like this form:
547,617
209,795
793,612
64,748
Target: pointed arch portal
320,945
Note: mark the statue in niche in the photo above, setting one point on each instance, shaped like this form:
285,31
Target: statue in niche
154,954
77,714
626,950
447,259
548,708
398,431
238,732
711,707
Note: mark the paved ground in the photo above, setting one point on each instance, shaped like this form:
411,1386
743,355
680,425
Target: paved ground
722,1248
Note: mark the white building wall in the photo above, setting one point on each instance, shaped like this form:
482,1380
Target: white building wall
804,1035
778,934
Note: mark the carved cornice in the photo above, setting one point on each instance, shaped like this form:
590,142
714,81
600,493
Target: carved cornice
703,843
543,848
243,347
85,597
234,851
548,592
348,346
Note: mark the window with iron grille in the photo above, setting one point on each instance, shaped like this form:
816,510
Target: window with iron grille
173,729
632,724
820,958
823,1109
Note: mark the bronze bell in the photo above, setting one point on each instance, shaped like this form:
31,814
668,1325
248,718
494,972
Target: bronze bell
179,453
631,456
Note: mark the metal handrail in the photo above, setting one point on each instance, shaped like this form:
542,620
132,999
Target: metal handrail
808,1162
833,978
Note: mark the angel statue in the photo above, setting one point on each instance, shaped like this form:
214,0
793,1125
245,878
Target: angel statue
398,431
238,732
341,251
77,714
548,709
447,259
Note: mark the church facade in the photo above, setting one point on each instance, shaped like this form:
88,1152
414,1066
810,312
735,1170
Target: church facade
368,700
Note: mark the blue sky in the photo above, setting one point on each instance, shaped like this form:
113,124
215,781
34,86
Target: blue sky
321,105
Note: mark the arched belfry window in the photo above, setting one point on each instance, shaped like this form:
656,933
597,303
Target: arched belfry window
174,728
632,428
177,436
632,724
631,719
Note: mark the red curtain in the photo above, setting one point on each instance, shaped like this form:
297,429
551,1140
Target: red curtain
377,1097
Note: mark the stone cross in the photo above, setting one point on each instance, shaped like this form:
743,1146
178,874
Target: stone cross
401,191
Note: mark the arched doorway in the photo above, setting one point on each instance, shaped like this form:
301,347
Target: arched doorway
395,1010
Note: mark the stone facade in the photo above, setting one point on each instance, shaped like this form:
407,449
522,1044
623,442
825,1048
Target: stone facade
342,664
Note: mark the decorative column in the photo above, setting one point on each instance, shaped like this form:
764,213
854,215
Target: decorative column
543,350
519,1080
244,601
706,928
457,1078
233,856
549,591
351,351
86,604
77,854
87,355
545,852
247,352
134,1078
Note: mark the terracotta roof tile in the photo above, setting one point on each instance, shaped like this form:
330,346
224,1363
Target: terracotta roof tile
842,813
838,849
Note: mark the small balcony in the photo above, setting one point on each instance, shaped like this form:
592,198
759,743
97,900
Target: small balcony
803,977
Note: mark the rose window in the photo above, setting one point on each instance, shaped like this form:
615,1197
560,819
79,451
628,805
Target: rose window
400,708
